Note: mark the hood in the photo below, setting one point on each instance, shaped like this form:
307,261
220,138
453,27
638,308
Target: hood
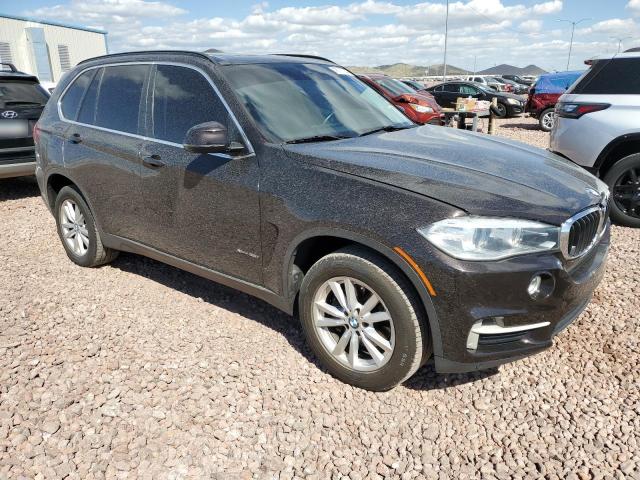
481,174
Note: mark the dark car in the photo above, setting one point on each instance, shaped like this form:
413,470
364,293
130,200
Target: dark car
420,106
517,79
21,102
392,242
544,95
447,93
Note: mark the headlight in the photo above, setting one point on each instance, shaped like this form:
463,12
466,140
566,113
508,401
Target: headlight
485,238
513,101
421,108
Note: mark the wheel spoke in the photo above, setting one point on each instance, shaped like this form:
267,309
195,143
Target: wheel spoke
325,322
69,212
634,175
376,317
354,345
376,355
84,231
330,309
67,225
336,288
79,247
372,334
85,240
352,300
342,343
69,233
369,305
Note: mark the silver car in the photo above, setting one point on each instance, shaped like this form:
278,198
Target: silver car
598,127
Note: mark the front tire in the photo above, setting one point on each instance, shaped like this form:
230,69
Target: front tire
362,319
501,110
547,119
77,230
623,180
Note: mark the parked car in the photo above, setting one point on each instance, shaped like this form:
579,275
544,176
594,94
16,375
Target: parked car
420,107
417,86
518,79
393,242
487,82
598,127
544,95
516,87
504,86
21,102
447,93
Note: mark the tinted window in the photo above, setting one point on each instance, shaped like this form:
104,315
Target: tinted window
619,76
468,90
120,97
439,88
87,111
452,87
183,98
73,96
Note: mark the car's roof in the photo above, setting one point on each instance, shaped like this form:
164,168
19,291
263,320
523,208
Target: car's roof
616,55
374,75
8,75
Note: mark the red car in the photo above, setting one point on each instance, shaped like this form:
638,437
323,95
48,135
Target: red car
420,107
544,95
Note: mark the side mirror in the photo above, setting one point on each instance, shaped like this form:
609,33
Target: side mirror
209,137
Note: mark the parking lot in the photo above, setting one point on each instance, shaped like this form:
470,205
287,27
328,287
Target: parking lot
140,370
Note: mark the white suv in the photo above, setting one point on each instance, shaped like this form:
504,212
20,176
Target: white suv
598,127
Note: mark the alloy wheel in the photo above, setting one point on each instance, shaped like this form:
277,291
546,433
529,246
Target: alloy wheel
74,227
626,192
353,324
548,119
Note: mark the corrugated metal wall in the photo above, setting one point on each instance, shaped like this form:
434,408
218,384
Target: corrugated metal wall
81,44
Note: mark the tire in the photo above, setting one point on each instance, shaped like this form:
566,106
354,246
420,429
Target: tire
501,110
406,332
547,119
71,231
625,191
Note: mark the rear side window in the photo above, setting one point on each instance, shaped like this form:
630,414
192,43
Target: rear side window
120,96
619,76
87,113
182,98
73,96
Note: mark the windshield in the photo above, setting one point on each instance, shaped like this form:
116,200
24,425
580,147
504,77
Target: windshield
22,93
294,101
396,87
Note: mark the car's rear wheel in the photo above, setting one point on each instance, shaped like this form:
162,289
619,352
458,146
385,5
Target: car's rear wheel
501,110
547,119
623,180
362,320
77,230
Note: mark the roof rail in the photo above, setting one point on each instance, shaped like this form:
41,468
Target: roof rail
11,66
145,52
315,57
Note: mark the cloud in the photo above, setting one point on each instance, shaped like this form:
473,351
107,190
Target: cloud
363,32
634,6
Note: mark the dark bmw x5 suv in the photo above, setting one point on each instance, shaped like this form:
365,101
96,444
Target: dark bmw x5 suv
288,178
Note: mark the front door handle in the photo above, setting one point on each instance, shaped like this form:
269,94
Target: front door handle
75,138
153,161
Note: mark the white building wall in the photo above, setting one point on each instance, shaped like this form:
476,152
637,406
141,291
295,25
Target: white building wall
82,44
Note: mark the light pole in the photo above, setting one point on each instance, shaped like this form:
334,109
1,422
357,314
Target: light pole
620,40
446,36
573,27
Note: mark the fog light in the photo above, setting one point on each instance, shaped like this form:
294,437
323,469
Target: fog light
541,286
534,286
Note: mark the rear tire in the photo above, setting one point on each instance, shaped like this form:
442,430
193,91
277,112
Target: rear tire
501,110
547,119
77,230
623,180
400,343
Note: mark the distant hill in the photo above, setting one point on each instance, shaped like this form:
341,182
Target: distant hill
407,70
505,69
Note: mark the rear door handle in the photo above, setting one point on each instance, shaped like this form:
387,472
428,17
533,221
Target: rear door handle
75,138
152,161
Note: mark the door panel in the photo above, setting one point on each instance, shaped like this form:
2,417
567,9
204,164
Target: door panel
203,208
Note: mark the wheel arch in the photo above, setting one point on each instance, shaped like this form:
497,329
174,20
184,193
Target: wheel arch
302,253
615,150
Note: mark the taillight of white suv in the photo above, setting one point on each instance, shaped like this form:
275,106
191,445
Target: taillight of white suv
576,110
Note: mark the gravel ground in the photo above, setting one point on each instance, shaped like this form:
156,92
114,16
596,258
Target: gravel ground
139,370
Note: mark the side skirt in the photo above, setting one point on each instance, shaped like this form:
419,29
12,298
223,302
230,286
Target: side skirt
125,245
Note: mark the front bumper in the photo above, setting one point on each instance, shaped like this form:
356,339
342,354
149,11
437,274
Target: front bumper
471,292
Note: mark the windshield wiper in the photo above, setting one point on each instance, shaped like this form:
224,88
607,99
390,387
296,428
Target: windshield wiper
388,128
318,138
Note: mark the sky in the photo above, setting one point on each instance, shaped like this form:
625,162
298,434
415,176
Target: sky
361,32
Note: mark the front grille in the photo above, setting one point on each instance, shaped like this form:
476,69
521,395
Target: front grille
581,231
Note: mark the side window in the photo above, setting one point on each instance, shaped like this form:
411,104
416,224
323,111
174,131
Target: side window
439,88
182,98
452,87
119,98
73,96
619,76
468,90
87,113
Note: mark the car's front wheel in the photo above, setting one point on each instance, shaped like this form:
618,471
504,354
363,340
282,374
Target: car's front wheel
362,320
623,180
77,230
501,110
547,119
